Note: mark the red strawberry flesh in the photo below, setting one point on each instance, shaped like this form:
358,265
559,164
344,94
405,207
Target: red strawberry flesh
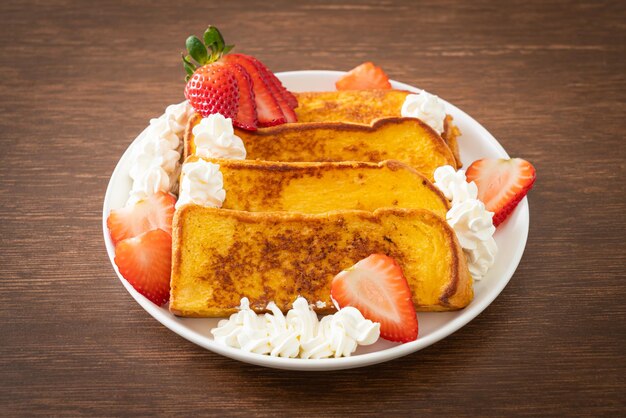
145,262
288,96
377,287
154,212
213,89
288,113
366,76
246,114
268,109
501,183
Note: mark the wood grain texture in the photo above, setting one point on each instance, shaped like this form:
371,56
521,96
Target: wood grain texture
78,81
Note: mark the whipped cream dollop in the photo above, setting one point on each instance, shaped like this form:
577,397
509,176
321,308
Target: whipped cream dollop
156,160
426,107
471,221
202,184
215,137
297,334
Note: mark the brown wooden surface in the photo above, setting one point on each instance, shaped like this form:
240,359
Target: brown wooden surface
78,81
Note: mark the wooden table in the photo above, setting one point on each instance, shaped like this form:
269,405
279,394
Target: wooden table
79,82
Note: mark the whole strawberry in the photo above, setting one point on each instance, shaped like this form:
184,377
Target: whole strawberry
211,84
237,86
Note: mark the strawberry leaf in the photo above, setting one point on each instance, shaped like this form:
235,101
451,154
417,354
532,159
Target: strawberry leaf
206,51
197,50
210,38
213,39
189,67
220,41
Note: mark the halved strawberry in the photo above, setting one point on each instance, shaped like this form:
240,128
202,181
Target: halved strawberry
377,287
366,76
154,212
288,96
246,114
267,107
501,184
145,261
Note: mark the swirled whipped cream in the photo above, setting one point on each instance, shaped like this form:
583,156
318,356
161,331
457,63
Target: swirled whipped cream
215,137
297,334
156,161
471,221
426,107
202,184
341,333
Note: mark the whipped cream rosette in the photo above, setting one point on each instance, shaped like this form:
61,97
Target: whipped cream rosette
215,137
297,334
426,107
469,218
202,184
156,161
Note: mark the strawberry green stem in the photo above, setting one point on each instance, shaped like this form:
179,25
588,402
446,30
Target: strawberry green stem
203,53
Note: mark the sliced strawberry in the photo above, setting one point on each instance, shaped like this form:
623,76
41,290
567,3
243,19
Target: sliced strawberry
366,76
268,109
246,115
288,113
291,99
501,184
377,287
154,212
213,89
145,262
288,96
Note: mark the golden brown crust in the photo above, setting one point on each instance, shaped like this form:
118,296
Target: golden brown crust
373,127
406,139
450,134
360,114
354,106
315,187
314,248
457,291
313,166
307,165
363,106
188,137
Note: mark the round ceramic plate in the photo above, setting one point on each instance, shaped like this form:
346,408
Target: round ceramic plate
474,143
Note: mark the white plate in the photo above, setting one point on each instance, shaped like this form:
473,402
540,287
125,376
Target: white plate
511,236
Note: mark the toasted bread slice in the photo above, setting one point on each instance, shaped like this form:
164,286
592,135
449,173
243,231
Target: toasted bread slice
351,106
262,186
220,256
404,139
450,134
364,107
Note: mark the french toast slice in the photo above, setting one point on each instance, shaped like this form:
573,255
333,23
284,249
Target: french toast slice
364,107
404,139
350,106
220,256
263,186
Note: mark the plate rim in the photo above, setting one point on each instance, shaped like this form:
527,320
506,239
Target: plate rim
174,323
